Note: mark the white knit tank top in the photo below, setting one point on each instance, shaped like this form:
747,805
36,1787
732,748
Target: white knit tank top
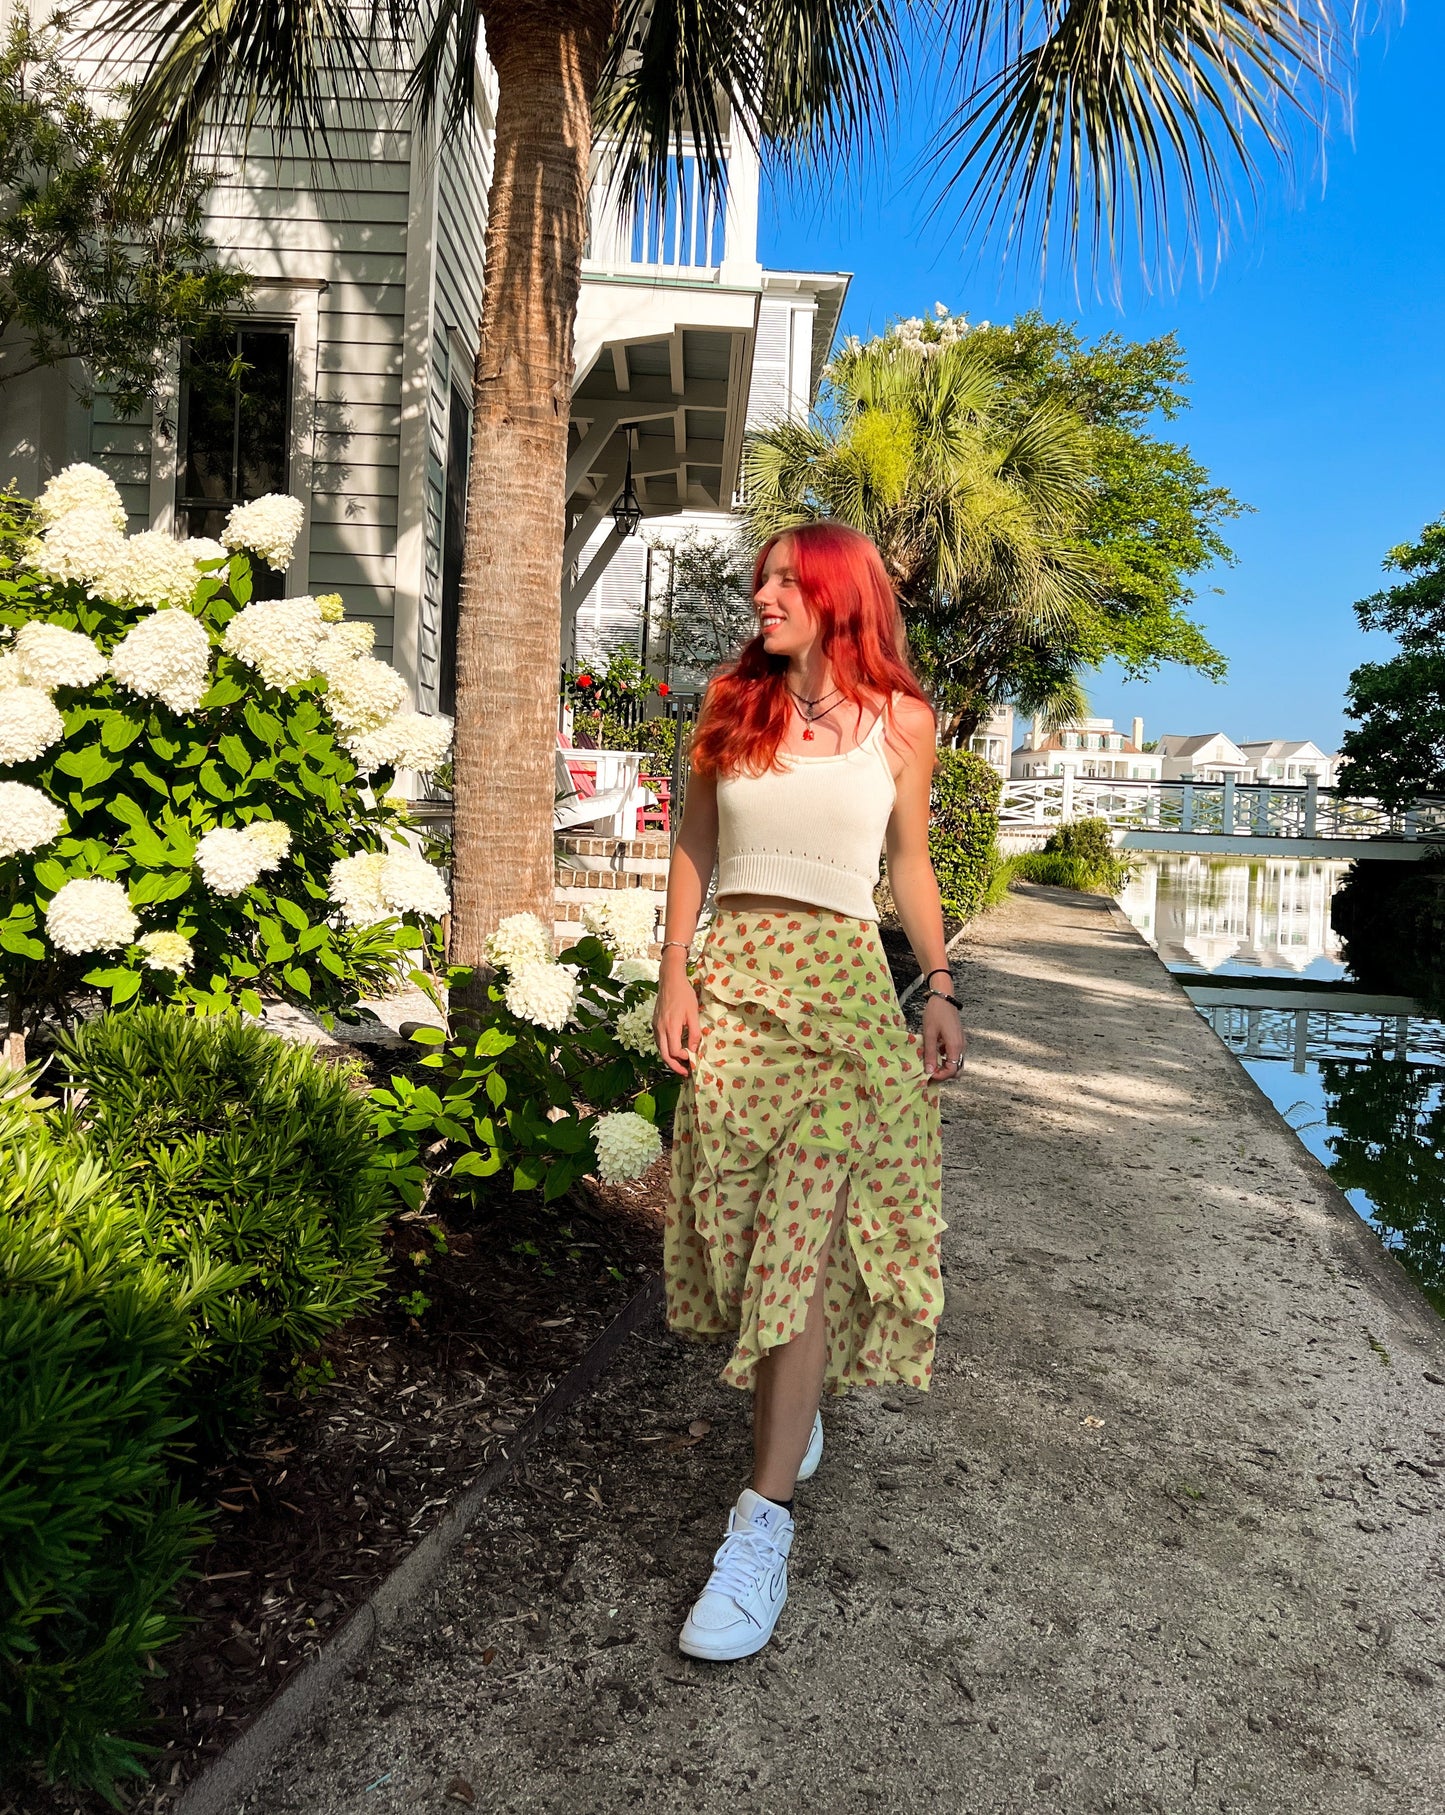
810,831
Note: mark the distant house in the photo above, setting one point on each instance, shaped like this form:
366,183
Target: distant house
1291,764
1089,747
992,739
1212,756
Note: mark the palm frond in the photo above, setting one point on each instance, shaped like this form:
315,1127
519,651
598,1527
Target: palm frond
808,77
1097,116
240,64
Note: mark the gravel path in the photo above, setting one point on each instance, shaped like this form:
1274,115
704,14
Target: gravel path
1166,1536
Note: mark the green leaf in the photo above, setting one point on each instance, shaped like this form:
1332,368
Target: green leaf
89,765
238,579
428,1036
125,986
568,1136
298,980
234,753
476,1165
496,1089
51,875
291,914
221,693
215,784
12,939
527,1175
559,1181
250,1003
118,731
156,885
646,1106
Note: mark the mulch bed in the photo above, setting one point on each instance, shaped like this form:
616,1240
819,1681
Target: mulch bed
396,1416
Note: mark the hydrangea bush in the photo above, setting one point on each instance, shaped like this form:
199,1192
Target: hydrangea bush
560,1077
193,801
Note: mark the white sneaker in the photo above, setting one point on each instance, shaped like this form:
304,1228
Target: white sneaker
735,1614
813,1454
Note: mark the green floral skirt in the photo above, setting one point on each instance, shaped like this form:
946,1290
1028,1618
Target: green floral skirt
806,1078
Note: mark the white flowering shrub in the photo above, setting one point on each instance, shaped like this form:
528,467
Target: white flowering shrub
177,794
558,1078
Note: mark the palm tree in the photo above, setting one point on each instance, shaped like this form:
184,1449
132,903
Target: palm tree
974,509
1067,113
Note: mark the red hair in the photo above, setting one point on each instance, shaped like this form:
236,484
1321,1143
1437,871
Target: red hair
846,587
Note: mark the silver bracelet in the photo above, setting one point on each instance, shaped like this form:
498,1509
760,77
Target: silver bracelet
685,944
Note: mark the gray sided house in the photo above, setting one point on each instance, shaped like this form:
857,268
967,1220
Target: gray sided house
358,360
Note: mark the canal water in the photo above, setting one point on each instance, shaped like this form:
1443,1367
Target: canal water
1360,1078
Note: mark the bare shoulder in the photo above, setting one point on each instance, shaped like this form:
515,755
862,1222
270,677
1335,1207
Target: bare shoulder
913,717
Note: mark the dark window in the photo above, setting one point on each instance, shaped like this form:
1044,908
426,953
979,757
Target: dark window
454,532
234,428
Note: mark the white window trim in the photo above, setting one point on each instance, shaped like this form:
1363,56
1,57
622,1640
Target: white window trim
295,304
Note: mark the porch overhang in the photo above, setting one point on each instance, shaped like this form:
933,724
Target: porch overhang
671,361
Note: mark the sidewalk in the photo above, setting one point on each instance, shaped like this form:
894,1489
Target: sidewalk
1166,1536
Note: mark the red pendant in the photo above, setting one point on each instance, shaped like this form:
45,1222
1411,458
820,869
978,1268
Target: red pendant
808,735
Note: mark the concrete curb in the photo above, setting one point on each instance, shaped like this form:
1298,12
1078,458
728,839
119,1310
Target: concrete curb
220,1789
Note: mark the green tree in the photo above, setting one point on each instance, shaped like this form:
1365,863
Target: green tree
974,504
98,270
1154,517
1396,751
708,613
1063,116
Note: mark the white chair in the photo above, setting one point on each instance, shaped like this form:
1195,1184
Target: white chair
610,803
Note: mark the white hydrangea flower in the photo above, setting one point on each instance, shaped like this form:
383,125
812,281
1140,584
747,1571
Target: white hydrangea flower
634,1028
230,861
375,885
80,487
29,724
637,970
205,548
78,549
519,939
409,740
151,569
28,819
11,674
272,837
545,994
627,1144
90,914
332,607
362,695
410,885
355,886
625,920
167,657
51,656
279,638
267,527
342,643
166,951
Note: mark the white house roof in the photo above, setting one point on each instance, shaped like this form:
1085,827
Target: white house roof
1177,746
1281,749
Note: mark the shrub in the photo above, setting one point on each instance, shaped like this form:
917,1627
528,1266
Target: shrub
963,807
549,1082
1087,839
227,1145
182,772
93,1334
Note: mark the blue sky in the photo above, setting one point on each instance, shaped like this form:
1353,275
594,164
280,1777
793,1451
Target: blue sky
1318,379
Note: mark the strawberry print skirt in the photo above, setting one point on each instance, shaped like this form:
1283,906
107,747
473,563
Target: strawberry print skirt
806,1078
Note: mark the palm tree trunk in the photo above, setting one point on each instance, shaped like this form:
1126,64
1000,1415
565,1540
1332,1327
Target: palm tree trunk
548,59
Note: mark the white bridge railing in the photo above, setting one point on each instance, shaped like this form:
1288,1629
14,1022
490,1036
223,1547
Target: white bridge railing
1240,809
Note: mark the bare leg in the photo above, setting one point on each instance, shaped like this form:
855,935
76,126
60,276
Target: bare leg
788,1386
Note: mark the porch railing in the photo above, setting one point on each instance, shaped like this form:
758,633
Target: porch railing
681,234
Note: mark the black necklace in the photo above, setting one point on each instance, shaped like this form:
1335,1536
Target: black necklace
810,718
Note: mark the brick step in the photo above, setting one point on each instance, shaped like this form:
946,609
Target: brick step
567,932
651,846
569,878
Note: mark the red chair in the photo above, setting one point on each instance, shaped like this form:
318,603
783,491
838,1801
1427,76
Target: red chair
658,816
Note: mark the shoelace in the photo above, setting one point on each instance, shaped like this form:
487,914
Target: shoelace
742,1559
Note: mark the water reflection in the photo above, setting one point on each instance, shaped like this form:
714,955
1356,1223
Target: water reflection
1235,916
1359,1078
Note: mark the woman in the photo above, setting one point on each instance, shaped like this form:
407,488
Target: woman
805,1179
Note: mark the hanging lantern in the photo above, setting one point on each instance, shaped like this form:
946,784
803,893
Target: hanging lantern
627,512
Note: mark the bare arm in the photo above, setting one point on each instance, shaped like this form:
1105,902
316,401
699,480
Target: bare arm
915,888
694,856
